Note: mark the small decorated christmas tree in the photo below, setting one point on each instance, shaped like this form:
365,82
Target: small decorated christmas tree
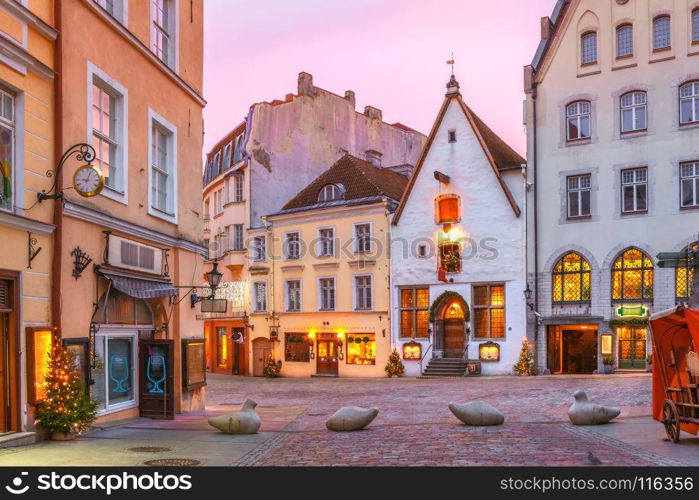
271,368
394,365
66,408
525,364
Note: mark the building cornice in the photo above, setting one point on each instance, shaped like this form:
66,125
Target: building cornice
76,211
20,55
26,224
25,15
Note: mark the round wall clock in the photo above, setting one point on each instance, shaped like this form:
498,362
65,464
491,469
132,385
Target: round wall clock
88,181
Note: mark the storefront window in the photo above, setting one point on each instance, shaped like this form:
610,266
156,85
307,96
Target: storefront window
41,342
632,347
114,370
361,349
221,346
296,347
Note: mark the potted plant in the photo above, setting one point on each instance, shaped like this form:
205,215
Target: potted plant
608,364
67,409
394,365
649,363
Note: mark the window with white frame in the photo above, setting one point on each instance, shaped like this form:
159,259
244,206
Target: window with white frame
634,111
259,248
695,25
238,183
579,189
662,33
162,169
104,138
238,237
163,30
579,116
293,245
327,294
362,293
624,41
689,184
331,192
7,150
326,242
218,201
362,237
588,44
115,382
259,296
689,102
293,295
114,8
634,190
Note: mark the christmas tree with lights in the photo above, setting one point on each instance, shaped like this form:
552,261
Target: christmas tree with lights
394,365
525,364
67,408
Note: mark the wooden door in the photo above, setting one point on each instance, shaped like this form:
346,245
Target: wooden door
632,347
327,357
454,341
156,384
579,351
5,411
238,361
261,352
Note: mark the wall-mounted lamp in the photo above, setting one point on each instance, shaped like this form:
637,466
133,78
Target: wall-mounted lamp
528,297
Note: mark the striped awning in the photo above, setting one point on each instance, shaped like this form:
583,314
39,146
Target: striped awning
141,288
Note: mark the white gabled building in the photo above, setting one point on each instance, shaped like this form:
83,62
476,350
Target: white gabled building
457,250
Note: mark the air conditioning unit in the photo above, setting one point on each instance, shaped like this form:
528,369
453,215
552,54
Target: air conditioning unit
130,254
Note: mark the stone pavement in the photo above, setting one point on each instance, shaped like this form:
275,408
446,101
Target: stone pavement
413,428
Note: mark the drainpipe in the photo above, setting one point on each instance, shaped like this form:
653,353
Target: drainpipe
58,148
536,215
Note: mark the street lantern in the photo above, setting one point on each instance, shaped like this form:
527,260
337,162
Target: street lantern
214,276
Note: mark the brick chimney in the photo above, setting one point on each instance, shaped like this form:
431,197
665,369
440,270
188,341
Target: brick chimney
373,113
349,95
306,86
373,157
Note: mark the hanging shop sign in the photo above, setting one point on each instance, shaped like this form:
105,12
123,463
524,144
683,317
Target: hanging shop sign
412,350
489,351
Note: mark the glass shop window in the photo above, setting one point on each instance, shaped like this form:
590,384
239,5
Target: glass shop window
361,349
114,372
296,347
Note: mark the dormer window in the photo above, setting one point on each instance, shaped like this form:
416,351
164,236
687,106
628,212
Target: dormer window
332,192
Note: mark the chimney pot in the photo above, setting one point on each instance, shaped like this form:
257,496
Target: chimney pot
373,157
349,95
305,86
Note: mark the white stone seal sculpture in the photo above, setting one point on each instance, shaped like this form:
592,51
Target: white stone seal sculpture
477,413
245,421
351,418
583,412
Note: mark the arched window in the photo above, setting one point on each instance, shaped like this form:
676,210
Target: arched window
578,115
689,102
695,25
661,33
571,279
632,276
683,278
588,43
332,192
634,107
624,40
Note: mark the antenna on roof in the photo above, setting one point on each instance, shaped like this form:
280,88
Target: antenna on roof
451,61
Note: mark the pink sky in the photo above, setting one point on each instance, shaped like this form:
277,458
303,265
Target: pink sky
392,53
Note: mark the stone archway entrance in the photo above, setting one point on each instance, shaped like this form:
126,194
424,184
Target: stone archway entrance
449,314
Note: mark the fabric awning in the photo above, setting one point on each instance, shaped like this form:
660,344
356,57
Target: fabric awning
141,288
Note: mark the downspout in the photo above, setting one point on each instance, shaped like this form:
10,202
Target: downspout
58,151
536,215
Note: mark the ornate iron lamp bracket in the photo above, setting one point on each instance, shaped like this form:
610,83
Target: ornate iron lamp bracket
32,251
80,262
82,152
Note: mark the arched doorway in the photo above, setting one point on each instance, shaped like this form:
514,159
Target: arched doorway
449,313
261,352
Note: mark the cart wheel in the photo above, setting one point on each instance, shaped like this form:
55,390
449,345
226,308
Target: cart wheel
671,421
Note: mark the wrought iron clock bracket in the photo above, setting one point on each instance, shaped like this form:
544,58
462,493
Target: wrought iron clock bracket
82,152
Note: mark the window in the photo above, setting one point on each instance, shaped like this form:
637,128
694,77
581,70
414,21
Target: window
238,237
422,251
238,149
634,190
361,349
633,112
114,372
326,243
163,170
624,41
226,157
221,346
579,195
661,33
296,347
689,102
259,248
327,294
695,25
362,235
114,8
293,245
452,136
163,31
218,202
104,134
448,209
489,311
589,48
259,296
332,192
217,164
7,150
578,114
238,181
689,184
571,280
414,312
293,295
632,276
683,278
363,295
450,257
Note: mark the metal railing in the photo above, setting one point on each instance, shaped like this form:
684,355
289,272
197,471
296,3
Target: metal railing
424,356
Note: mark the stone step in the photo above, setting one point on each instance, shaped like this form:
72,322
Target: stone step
448,361
12,439
439,371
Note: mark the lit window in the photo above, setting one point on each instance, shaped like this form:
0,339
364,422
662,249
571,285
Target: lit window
661,33
414,312
332,192
634,190
448,209
326,243
624,41
327,294
362,235
632,276
450,257
363,293
633,112
489,311
293,245
683,279
7,150
259,248
293,295
260,296
589,48
361,349
689,102
578,115
689,184
221,346
579,192
571,279
296,347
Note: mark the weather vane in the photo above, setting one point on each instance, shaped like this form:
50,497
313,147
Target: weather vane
451,61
